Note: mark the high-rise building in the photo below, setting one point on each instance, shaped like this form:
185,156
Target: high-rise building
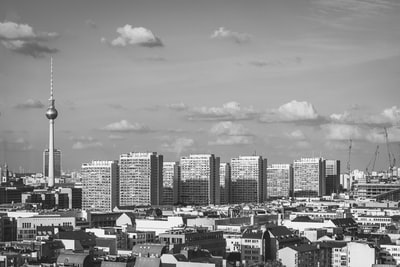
279,180
171,173
199,183
51,114
141,179
100,185
248,179
56,163
332,176
309,177
224,182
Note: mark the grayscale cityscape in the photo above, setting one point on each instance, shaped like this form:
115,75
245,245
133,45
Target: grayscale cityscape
215,133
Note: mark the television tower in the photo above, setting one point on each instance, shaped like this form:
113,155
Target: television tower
51,114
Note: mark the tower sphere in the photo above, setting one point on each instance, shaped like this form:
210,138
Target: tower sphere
51,113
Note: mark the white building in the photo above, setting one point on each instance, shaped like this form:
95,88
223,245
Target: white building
100,185
279,180
141,179
248,179
309,177
171,174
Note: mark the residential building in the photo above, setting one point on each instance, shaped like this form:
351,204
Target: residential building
141,179
224,182
332,176
248,179
100,185
199,183
304,255
309,177
171,176
279,180
253,246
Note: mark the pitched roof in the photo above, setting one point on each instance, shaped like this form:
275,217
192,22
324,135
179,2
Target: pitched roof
280,231
304,247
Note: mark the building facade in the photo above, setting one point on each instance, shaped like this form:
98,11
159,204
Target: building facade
248,179
309,177
332,176
199,183
224,182
279,180
171,174
141,179
100,185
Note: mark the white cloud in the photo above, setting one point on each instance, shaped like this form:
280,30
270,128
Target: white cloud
178,145
296,135
85,142
30,103
392,114
389,116
228,128
129,35
292,112
21,38
178,106
342,131
237,37
115,137
233,140
125,126
229,111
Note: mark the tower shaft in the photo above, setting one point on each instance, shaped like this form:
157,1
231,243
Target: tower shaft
51,155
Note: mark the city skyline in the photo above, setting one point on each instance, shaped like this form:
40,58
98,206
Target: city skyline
280,80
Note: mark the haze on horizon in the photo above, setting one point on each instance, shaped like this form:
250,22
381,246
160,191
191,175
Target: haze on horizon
280,79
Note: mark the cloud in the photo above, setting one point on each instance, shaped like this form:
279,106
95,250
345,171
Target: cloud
229,133
134,36
116,137
229,111
228,128
21,38
376,135
116,106
276,63
296,135
29,104
19,144
388,117
91,23
125,126
85,142
223,34
338,132
178,106
178,145
294,111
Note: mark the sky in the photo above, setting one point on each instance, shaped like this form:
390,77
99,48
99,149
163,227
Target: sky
280,79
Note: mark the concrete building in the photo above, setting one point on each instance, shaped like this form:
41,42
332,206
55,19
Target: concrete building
224,182
100,185
199,183
141,179
180,238
303,255
332,176
171,177
248,179
279,180
57,163
253,246
309,177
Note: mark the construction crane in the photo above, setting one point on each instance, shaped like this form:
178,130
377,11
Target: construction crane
348,161
373,161
392,159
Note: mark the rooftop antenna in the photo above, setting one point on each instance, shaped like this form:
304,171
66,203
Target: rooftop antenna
51,78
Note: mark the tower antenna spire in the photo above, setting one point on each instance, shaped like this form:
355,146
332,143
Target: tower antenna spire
51,78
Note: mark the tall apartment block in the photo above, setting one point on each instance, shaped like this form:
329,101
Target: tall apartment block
224,182
199,183
279,180
332,176
309,177
57,163
171,177
248,179
100,185
141,179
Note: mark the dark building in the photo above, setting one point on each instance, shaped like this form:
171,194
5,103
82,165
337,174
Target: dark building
10,195
332,176
8,229
278,237
57,163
